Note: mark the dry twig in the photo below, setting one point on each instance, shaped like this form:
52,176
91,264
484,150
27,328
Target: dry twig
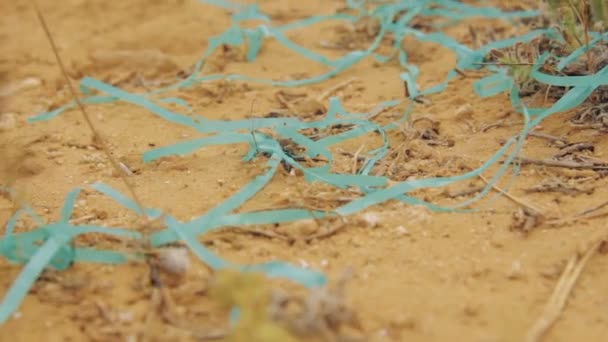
464,192
519,201
563,163
557,301
356,159
328,232
585,214
97,137
334,89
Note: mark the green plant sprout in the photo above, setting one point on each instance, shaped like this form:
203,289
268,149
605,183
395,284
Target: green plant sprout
518,68
599,11
575,19
250,293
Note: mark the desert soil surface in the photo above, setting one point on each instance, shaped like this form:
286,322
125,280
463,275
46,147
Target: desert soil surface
417,275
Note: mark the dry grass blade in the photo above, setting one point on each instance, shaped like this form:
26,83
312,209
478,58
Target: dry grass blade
334,89
586,214
119,167
558,299
328,232
96,135
563,164
513,198
356,159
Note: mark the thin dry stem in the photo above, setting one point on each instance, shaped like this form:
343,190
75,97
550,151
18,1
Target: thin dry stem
563,164
96,135
557,301
356,158
582,215
334,89
513,198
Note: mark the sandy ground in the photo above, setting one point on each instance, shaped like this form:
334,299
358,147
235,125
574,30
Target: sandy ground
418,275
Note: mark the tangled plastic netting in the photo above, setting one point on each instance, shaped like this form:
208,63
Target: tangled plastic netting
50,244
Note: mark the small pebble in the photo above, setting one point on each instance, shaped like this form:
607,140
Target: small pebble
464,112
305,227
382,333
515,272
174,260
402,231
28,83
372,219
7,122
125,316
